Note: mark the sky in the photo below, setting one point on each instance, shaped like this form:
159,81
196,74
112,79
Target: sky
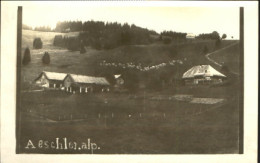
194,20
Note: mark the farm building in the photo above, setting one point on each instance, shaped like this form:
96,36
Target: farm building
119,84
119,80
190,36
203,74
50,79
84,84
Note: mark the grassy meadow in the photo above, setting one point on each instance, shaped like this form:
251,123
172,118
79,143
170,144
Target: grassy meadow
143,122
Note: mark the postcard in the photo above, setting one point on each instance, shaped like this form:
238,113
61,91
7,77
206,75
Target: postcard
159,79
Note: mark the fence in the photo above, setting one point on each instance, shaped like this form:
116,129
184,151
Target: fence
185,113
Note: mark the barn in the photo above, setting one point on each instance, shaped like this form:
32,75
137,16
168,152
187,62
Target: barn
83,84
50,79
190,36
203,74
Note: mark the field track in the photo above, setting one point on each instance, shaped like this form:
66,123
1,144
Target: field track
217,51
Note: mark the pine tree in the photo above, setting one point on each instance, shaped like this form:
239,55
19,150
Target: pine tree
37,43
26,56
46,58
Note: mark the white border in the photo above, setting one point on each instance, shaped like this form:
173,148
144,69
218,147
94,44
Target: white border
8,89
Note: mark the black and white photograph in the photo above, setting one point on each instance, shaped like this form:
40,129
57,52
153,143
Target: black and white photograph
130,79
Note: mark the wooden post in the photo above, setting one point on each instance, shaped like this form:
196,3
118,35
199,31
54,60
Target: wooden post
144,101
106,121
241,81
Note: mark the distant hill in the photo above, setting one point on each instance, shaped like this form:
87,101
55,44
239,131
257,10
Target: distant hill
190,53
109,35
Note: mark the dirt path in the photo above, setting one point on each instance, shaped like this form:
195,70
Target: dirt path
215,62
39,90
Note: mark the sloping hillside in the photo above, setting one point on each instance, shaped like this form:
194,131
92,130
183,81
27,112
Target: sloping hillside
157,53
189,53
228,57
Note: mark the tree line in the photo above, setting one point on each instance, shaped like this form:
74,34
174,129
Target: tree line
39,28
27,27
212,36
174,35
43,29
69,26
101,35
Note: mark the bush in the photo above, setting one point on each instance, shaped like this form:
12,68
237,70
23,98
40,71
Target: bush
26,56
73,44
37,43
131,80
58,40
224,36
46,58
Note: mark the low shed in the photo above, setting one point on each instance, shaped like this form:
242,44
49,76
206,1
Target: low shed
84,84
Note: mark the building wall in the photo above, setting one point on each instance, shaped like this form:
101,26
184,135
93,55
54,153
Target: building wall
203,81
71,86
85,87
43,81
67,82
55,84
